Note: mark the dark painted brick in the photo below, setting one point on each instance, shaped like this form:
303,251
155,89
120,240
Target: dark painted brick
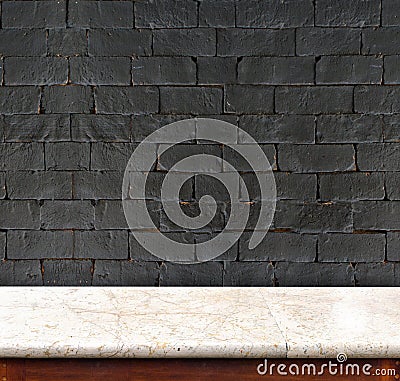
126,100
20,273
391,128
163,71
19,214
184,42
18,100
256,42
216,70
67,215
315,274
248,274
275,13
377,215
351,186
314,100
67,42
378,157
217,14
39,244
101,244
24,43
2,185
377,274
125,273
296,186
110,215
381,41
392,185
377,99
351,247
393,246
67,156
327,41
119,42
166,14
100,71
100,14
2,245
390,13
230,254
97,185
67,272
240,164
21,156
358,13
316,158
392,70
74,99
247,99
351,128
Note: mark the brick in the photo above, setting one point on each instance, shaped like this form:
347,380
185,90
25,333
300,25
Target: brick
381,41
390,13
248,274
351,247
166,14
125,273
19,100
276,70
230,254
119,42
2,185
201,274
350,128
20,273
393,246
100,14
184,42
67,42
67,215
33,14
256,42
21,156
392,71
377,99
209,185
349,70
163,71
110,215
72,99
378,157
241,165
101,244
278,128
19,214
316,158
392,185
357,13
36,128
314,274
296,186
2,245
30,244
24,43
247,99
391,132
279,247
67,156
377,274
327,41
376,215
313,217
67,272
314,100
97,128
100,71
126,100
39,185
216,70
274,14
97,185
351,186
217,14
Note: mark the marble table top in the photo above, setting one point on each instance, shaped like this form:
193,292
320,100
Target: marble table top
199,322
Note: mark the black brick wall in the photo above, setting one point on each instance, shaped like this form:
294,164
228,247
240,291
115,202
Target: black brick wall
316,82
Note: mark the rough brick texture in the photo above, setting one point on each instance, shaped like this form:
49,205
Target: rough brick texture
315,82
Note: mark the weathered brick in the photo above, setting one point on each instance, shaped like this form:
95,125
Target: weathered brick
349,70
350,128
20,273
391,131
296,186
377,99
316,158
184,42
67,272
67,156
327,41
216,70
67,215
248,274
217,14
193,100
119,42
33,14
100,71
24,43
358,13
39,185
2,185
19,214
30,244
392,185
377,274
351,186
126,100
314,100
101,244
240,164
21,156
381,41
247,99
393,246
390,13
166,14
100,14
2,245
378,157
255,42
163,71
19,100
376,215
97,185
67,42
72,99
351,247
392,71
110,215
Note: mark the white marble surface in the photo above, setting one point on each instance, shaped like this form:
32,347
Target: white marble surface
199,322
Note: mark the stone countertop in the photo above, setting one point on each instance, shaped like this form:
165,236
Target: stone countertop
199,322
